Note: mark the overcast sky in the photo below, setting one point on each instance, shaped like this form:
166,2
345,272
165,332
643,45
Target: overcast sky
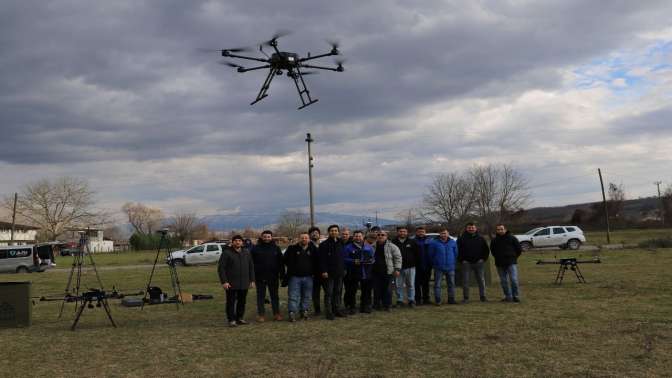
117,92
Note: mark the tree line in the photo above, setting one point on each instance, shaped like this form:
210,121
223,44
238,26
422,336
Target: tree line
487,194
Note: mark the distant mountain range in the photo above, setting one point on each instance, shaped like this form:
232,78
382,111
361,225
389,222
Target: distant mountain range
240,222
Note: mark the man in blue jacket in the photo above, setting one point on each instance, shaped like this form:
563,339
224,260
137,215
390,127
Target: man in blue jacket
443,252
358,258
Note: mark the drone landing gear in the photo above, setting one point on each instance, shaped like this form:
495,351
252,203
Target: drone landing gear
304,93
264,88
87,301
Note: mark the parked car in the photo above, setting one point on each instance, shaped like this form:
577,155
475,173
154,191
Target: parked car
565,237
207,253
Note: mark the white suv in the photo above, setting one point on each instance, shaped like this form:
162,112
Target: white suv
565,237
207,253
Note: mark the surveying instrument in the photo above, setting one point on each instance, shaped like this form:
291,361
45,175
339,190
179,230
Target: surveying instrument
174,279
86,299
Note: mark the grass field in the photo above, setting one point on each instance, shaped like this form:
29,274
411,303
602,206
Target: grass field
618,324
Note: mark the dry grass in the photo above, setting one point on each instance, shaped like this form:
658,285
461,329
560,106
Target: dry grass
618,324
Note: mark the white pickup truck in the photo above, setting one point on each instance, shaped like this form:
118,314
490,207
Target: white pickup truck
565,237
207,253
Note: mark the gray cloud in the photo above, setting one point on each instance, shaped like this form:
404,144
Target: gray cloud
123,85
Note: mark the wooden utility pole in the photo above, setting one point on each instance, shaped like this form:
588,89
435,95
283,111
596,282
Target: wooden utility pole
606,209
310,140
11,238
662,205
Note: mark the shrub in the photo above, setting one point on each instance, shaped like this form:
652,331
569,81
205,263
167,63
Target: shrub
657,243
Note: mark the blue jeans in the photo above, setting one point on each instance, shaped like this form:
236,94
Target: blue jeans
406,277
450,281
300,290
477,268
506,273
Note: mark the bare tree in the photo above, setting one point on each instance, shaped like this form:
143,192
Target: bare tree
292,223
500,190
145,220
55,206
450,199
183,225
666,200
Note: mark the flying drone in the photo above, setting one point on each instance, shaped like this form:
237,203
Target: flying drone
280,61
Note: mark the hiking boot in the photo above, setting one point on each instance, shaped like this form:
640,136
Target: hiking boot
242,322
291,317
411,304
330,316
516,299
507,299
400,304
261,319
437,303
451,301
484,299
340,314
465,301
277,317
352,311
304,315
233,324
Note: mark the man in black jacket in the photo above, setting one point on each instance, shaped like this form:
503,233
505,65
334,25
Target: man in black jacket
332,270
472,252
268,270
506,250
299,260
318,282
236,274
410,256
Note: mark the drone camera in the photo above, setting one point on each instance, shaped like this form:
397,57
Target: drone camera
162,231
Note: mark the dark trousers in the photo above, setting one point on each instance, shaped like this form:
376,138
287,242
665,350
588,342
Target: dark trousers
422,277
365,299
382,292
318,284
351,285
272,286
235,304
333,294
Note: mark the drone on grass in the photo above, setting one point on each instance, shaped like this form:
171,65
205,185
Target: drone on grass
281,61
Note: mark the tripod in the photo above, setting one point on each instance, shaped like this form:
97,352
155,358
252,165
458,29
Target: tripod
85,299
174,279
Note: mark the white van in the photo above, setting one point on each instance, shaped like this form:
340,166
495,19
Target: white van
20,259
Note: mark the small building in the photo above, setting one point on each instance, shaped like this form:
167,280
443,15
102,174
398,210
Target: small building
22,234
97,243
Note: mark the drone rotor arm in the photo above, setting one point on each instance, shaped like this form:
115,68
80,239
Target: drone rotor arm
253,68
322,68
244,57
316,57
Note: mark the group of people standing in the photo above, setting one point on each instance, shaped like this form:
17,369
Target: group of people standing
343,264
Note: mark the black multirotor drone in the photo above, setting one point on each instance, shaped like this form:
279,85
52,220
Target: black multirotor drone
280,61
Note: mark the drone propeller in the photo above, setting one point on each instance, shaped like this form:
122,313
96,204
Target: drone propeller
309,73
278,34
234,50
339,65
334,46
234,65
